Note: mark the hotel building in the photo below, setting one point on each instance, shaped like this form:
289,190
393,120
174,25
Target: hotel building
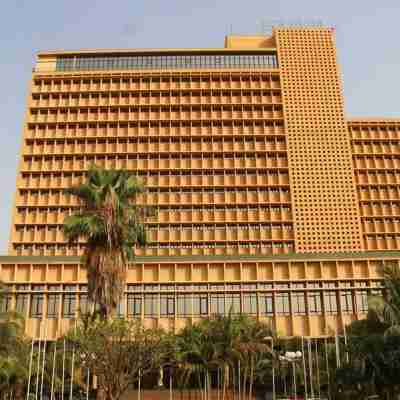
270,200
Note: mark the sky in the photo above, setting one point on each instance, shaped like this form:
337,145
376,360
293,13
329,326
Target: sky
367,36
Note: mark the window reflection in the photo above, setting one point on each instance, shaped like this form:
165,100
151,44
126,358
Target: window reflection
166,61
150,305
282,303
184,304
298,303
134,305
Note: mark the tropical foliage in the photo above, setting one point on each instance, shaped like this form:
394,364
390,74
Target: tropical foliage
111,224
13,351
374,344
117,352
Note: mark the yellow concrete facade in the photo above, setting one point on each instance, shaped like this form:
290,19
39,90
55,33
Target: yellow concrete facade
251,163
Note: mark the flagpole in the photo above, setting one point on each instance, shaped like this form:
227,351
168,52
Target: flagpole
30,370
87,384
44,358
72,368
345,343
318,372
240,394
63,373
310,367
304,368
38,361
54,369
337,350
327,368
273,373
138,394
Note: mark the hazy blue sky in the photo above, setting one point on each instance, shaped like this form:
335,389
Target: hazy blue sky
368,40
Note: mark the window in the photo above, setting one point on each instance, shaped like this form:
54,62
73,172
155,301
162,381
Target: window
167,305
232,303
266,304
83,303
217,304
362,301
36,307
21,303
250,303
314,303
5,303
69,305
151,305
330,300
282,303
346,300
165,61
298,303
184,304
200,304
53,304
121,308
134,305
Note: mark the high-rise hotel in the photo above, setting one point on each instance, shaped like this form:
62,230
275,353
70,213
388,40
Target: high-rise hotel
270,201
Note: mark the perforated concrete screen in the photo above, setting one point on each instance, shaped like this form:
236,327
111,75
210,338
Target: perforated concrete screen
321,177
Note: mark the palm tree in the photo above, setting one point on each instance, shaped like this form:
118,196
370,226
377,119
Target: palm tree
386,310
111,224
13,351
254,345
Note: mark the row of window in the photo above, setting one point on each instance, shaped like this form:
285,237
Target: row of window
175,77
167,249
156,140
85,63
196,287
67,305
157,109
76,126
157,93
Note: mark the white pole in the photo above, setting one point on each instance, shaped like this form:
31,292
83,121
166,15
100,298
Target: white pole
304,368
345,343
310,367
138,393
63,373
30,370
273,372
317,365
44,358
337,350
170,384
294,380
54,370
38,361
72,369
327,368
239,382
87,384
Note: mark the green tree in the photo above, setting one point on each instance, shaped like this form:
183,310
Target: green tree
254,347
111,224
116,351
13,351
385,310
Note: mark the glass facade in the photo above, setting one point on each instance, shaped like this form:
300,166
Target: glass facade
177,300
140,62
